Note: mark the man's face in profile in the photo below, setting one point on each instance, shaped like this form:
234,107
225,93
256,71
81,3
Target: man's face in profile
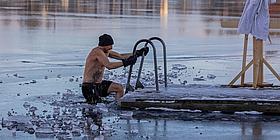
107,48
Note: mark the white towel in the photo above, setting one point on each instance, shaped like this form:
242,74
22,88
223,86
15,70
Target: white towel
255,18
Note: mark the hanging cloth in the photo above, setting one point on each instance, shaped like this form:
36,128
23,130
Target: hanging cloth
255,18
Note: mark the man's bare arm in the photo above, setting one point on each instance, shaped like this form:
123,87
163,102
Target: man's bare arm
118,56
103,59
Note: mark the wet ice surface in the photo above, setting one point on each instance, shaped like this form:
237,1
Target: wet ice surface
44,44
61,113
206,92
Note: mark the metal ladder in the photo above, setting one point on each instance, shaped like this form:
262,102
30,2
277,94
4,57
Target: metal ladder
138,83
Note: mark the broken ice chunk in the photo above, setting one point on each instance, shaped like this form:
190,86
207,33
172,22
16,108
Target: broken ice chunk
63,135
33,109
76,133
30,130
201,78
44,132
179,67
102,107
126,115
94,129
26,105
211,76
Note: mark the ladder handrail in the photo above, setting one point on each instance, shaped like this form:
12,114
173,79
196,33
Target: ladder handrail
164,57
128,86
138,83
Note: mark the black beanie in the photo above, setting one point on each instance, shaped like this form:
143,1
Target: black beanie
105,40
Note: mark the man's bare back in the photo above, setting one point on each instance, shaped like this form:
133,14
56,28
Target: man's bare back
94,69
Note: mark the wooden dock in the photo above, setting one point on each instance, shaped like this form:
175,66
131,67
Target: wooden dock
206,98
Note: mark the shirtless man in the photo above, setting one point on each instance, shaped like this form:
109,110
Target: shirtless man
97,60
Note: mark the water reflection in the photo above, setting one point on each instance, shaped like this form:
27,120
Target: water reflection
157,130
255,130
223,8
190,22
164,14
127,7
167,129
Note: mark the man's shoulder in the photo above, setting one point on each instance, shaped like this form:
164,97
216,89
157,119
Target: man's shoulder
96,51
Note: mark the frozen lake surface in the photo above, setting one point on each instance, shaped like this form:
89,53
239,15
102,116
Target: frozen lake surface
44,44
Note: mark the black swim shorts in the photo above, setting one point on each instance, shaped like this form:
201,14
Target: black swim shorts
92,91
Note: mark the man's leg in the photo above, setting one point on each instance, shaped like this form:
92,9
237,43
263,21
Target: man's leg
117,88
87,90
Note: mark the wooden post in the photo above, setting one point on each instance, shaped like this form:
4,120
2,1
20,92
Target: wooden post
260,53
244,59
257,62
269,39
